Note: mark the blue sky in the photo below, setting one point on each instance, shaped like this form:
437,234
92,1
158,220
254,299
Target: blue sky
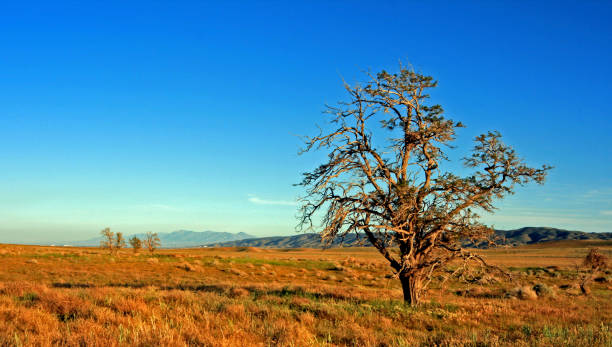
186,115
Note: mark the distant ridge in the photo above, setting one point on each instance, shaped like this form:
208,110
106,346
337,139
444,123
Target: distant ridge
308,240
531,235
180,238
517,237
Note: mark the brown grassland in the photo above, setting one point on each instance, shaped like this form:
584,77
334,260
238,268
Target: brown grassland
297,297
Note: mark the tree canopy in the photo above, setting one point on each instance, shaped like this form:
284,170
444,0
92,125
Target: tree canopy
394,190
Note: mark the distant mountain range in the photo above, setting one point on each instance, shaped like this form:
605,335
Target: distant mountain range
179,238
530,235
517,237
310,240
188,238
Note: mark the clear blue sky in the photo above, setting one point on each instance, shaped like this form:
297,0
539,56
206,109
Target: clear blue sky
175,115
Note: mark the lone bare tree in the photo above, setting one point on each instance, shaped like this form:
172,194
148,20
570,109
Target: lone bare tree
393,190
108,238
152,241
136,244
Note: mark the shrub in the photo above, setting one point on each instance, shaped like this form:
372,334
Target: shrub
595,260
186,266
543,290
238,272
523,293
527,293
337,267
238,292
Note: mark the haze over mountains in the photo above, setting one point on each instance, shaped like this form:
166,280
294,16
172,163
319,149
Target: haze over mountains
179,238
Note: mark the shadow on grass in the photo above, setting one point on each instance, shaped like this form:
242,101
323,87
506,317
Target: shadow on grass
185,287
301,292
222,290
71,285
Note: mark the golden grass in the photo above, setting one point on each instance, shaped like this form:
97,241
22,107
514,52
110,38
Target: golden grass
255,297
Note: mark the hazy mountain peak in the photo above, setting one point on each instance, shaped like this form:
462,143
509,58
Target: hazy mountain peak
181,238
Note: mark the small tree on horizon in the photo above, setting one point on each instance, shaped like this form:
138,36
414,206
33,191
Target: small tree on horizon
136,244
108,238
119,241
152,241
392,187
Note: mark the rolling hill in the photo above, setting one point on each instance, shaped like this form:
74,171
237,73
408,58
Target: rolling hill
517,237
531,235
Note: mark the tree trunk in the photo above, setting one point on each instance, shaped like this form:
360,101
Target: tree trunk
411,285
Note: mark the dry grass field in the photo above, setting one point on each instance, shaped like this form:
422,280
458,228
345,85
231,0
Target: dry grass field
299,297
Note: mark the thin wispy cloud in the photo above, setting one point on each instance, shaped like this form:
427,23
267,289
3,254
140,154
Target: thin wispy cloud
595,195
258,201
606,212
